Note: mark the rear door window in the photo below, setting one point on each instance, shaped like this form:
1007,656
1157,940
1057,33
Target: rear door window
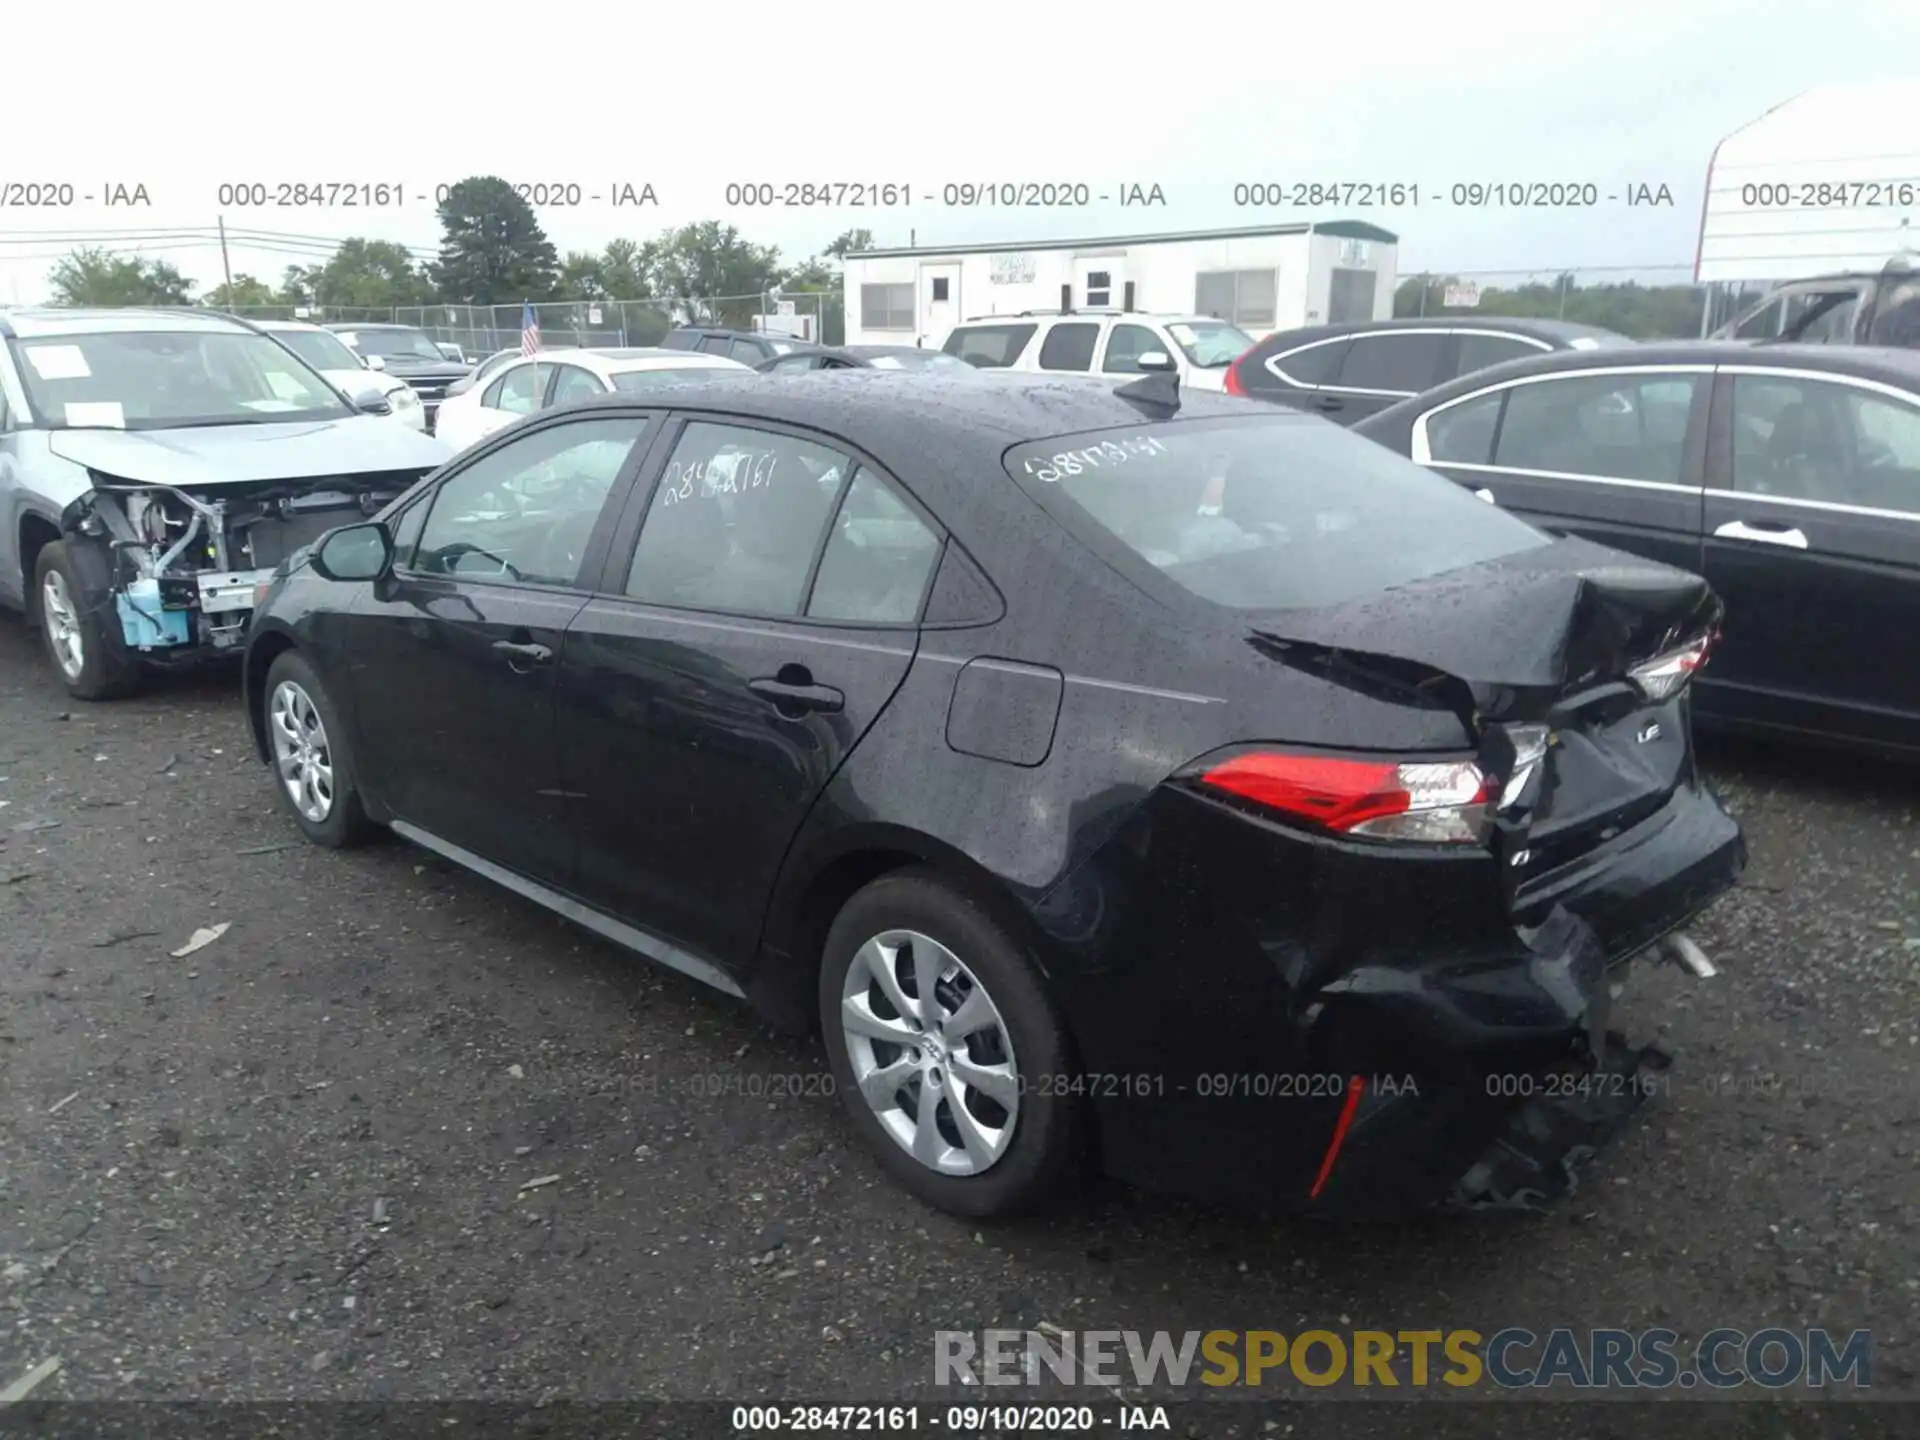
1477,352
1262,513
1610,427
716,344
1069,347
1392,364
989,347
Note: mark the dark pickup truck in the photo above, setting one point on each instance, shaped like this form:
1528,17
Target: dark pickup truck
406,353
1878,307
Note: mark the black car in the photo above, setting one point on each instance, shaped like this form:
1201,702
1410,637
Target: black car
1787,475
1200,790
407,353
749,347
861,357
1348,372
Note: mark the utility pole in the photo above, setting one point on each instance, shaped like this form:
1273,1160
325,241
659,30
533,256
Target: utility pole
225,264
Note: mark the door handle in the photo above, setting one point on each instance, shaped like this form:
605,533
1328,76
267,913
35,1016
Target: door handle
796,698
1774,535
1327,402
520,652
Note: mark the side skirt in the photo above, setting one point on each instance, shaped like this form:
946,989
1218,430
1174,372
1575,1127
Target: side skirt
661,952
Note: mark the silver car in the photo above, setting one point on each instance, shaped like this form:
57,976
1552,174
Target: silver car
156,465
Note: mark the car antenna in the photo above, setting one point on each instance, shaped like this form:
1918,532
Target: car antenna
1156,391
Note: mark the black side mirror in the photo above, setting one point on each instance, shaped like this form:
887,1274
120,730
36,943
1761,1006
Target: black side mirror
371,402
353,552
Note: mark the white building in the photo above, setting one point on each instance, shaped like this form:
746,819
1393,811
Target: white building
1824,183
1262,278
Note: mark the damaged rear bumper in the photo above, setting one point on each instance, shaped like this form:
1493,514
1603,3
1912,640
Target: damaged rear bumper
1413,1044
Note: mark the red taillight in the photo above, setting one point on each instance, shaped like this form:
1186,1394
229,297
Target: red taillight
1444,802
1664,676
1234,387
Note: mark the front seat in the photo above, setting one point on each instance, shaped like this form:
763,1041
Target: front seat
1804,454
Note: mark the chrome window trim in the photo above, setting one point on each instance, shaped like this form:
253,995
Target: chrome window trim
1421,452
1668,486
1273,363
1868,512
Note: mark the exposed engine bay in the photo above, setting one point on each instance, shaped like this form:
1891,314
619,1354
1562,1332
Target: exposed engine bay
185,566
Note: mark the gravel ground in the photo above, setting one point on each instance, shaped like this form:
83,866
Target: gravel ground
399,1134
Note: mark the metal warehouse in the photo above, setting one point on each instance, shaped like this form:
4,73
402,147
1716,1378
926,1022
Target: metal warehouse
1824,183
1261,278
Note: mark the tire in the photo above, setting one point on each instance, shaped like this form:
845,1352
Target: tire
89,657
329,811
1041,1155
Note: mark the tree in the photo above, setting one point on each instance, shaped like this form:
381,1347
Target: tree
493,250
848,241
299,284
371,274
711,262
1644,312
245,293
95,277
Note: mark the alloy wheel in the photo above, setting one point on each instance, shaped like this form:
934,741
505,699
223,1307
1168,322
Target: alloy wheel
62,619
301,753
930,1052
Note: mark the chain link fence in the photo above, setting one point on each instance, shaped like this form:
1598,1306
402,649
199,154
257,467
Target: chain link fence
479,330
1644,302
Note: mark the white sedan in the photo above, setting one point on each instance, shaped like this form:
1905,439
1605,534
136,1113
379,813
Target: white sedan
561,377
346,371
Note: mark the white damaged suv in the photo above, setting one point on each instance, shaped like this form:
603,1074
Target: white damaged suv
157,465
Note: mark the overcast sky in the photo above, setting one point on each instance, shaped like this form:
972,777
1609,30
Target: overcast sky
186,96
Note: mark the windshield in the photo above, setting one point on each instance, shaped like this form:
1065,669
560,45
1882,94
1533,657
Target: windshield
1211,344
394,344
1264,513
318,348
659,377
164,379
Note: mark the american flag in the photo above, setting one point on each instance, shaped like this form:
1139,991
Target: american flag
529,330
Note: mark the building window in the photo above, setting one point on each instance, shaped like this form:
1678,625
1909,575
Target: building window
886,307
1099,288
939,288
1247,298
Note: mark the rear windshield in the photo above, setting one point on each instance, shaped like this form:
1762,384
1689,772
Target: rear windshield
1264,513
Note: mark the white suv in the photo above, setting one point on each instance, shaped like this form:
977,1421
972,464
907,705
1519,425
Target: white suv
1101,343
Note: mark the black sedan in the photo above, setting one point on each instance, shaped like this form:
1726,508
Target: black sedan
1787,475
861,357
1195,788
1349,371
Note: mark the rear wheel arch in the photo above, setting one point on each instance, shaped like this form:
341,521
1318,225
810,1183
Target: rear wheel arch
793,939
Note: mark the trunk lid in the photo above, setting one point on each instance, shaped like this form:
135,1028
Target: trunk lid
1536,654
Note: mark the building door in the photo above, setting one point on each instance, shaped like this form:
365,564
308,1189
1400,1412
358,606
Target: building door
1350,295
939,302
